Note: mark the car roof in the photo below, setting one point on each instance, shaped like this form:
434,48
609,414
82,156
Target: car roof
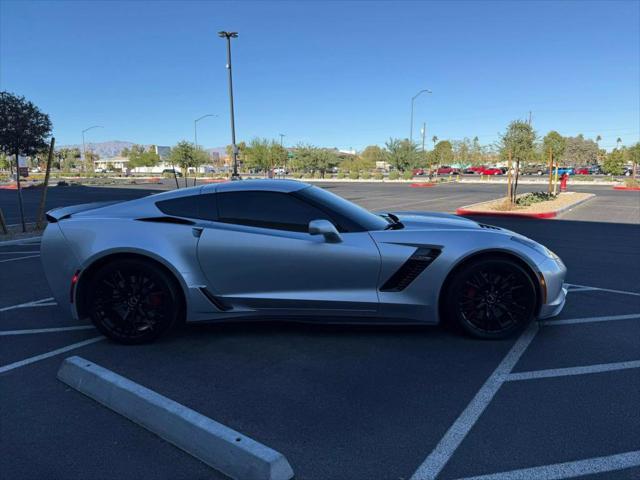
283,186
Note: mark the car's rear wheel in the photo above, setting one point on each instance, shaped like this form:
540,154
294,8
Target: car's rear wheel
490,298
132,301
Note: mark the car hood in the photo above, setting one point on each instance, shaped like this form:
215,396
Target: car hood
437,220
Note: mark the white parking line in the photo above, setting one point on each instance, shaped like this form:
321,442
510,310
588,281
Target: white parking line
573,321
435,462
19,258
406,204
586,288
610,463
565,372
53,353
45,330
43,302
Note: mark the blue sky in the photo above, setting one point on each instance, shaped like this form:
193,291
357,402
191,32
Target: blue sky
328,73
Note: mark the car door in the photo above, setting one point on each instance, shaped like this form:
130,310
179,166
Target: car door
258,254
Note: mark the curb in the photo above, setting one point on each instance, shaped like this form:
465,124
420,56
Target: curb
620,187
465,211
218,446
422,185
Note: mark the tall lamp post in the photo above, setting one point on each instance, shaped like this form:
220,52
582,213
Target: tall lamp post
84,152
413,99
234,147
195,126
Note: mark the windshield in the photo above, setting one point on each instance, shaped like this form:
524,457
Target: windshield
355,213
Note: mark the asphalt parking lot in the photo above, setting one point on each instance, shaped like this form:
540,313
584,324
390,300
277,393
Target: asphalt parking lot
560,401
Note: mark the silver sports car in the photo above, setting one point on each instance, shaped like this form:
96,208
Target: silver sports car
275,249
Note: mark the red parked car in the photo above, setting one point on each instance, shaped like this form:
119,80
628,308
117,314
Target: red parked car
582,171
492,171
446,170
418,172
474,170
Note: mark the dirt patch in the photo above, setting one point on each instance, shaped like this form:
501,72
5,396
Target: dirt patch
546,209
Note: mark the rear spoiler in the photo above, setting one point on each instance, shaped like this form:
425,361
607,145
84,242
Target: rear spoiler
62,213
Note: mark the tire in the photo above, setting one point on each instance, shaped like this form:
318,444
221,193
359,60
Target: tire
133,301
490,298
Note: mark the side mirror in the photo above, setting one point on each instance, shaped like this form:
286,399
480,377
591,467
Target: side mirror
325,228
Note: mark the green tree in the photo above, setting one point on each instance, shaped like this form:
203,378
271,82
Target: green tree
141,157
443,153
264,155
462,152
5,162
369,156
323,160
477,152
23,131
402,154
242,146
633,154
614,162
580,151
518,142
555,143
186,155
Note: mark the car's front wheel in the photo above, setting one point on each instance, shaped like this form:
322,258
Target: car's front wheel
490,298
132,301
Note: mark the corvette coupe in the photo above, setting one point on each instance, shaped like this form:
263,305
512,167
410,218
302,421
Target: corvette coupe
282,249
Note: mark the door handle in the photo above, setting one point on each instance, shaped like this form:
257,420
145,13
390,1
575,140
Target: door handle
197,231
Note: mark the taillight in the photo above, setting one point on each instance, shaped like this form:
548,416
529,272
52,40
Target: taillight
74,281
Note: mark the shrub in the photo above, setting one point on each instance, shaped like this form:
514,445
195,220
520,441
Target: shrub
378,176
408,175
394,175
353,175
341,175
366,175
317,175
534,197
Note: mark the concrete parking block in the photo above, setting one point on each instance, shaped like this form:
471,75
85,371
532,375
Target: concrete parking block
216,445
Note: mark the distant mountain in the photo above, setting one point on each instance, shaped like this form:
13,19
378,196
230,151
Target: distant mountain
103,149
114,147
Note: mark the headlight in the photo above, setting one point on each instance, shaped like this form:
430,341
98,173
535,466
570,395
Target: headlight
541,249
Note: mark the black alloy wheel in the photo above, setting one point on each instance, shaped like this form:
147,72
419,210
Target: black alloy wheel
132,301
491,298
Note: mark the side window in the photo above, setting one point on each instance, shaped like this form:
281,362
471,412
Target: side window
192,206
267,210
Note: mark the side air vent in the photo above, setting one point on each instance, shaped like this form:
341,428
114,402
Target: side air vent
489,227
217,302
409,271
174,220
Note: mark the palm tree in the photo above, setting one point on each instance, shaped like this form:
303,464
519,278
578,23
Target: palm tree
618,142
434,139
598,140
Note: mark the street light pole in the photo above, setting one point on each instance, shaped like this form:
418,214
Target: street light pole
282,135
413,99
234,147
84,152
195,126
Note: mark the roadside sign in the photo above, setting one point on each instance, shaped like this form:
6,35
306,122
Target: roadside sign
22,166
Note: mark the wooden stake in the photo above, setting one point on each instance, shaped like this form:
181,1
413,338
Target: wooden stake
43,197
550,170
509,186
